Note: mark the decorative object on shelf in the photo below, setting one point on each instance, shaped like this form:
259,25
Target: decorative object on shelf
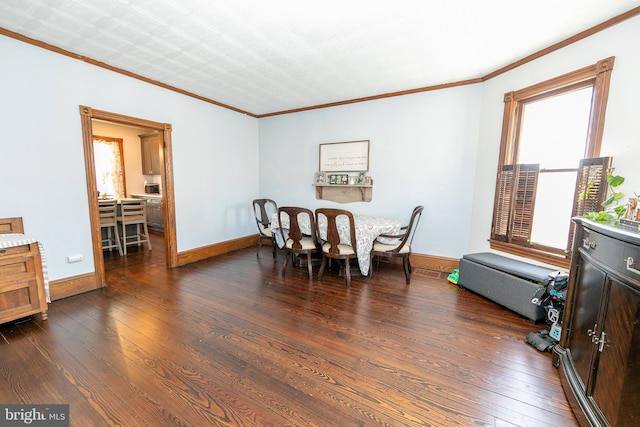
338,179
319,178
361,177
352,156
632,209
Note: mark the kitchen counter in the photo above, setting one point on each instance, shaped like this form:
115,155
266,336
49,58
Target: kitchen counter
146,196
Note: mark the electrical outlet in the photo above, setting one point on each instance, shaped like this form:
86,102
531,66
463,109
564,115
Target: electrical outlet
74,258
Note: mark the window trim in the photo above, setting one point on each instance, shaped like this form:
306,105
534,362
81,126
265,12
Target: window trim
597,75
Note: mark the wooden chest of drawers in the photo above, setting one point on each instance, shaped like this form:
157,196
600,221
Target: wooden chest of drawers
22,290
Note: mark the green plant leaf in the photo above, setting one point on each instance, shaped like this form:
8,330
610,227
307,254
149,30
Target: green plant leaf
614,180
592,215
620,210
601,216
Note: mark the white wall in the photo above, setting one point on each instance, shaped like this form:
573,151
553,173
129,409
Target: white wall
42,161
422,152
440,148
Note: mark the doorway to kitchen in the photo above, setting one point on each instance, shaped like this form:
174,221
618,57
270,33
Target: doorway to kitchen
90,116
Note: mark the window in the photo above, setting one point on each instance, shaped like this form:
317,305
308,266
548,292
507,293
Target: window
547,129
109,164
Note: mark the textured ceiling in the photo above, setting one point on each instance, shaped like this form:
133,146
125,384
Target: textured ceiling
269,56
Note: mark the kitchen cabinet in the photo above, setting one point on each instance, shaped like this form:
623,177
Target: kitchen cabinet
155,217
599,352
152,154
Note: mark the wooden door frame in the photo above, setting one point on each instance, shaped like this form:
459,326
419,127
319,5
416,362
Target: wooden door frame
87,114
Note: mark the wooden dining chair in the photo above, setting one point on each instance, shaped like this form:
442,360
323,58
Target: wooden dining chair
108,213
262,210
400,248
297,242
333,248
134,212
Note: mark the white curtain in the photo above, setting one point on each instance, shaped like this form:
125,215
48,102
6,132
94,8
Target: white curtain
109,173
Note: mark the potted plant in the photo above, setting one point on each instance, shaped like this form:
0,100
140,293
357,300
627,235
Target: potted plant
612,208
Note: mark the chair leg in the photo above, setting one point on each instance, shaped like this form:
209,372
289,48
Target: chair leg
146,234
118,241
273,245
118,244
322,265
124,238
407,268
371,257
309,266
347,270
286,262
109,238
260,244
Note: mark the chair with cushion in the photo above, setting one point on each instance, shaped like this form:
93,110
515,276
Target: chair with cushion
134,212
333,248
298,243
263,209
399,245
108,210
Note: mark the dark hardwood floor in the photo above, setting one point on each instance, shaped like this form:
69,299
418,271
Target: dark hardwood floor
228,341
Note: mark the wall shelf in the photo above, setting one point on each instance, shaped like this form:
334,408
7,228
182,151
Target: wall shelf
341,193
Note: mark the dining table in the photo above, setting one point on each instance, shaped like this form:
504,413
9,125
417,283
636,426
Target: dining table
368,228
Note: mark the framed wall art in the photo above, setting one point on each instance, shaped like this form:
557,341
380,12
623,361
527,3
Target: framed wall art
352,156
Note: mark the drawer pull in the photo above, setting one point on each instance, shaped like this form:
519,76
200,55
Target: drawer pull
630,263
2,251
588,244
601,341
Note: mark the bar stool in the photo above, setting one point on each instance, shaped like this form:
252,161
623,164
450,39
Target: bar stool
108,219
134,212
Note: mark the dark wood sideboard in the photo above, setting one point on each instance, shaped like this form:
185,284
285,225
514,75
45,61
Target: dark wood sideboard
599,352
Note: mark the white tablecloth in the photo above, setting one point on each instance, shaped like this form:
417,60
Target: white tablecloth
11,240
368,228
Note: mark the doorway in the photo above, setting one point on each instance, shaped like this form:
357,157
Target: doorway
87,115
